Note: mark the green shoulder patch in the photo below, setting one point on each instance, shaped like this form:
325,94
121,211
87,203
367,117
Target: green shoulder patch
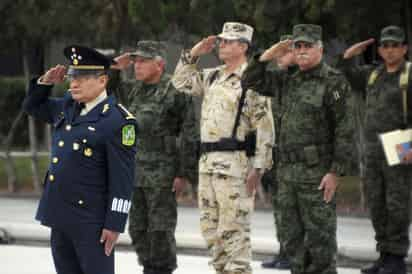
126,114
128,135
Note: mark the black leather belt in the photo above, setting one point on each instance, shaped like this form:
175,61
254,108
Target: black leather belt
223,145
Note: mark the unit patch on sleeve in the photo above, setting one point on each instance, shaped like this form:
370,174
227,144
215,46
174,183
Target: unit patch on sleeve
128,135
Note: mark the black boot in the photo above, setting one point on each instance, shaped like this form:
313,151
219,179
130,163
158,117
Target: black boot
147,271
158,270
271,263
393,264
375,266
283,264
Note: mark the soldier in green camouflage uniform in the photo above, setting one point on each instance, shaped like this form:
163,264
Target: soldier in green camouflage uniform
280,261
387,187
314,144
162,167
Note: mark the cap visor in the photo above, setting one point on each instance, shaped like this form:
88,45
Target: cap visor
73,71
303,39
141,54
391,39
229,37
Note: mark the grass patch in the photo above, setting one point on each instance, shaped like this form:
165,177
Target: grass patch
348,194
23,172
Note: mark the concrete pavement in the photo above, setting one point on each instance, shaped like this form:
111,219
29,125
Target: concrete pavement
38,260
355,235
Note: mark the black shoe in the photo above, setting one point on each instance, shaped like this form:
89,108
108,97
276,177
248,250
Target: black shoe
147,270
271,263
283,263
374,267
393,264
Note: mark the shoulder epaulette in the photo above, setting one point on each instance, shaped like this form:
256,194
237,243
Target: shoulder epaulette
127,115
329,71
334,70
373,76
404,77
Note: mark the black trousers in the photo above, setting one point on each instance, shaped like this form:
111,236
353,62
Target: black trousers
79,251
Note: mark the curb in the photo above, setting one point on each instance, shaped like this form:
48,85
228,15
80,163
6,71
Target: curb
35,233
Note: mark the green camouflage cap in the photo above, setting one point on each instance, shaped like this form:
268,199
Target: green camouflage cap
392,33
150,49
286,37
307,33
236,31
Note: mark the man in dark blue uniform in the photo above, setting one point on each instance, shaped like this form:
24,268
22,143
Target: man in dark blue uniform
89,182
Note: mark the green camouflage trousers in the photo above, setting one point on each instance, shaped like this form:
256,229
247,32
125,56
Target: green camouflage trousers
308,227
388,195
271,180
152,224
225,213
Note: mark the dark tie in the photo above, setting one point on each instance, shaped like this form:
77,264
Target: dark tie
78,109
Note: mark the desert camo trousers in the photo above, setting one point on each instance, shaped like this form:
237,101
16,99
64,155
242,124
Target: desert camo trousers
225,213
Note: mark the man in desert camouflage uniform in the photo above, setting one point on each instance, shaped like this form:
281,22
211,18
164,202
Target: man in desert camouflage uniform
162,167
314,145
228,174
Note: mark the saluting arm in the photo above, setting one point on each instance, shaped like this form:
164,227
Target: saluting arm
37,103
259,78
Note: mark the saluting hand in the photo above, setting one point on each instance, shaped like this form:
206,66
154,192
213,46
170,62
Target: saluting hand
357,48
277,50
328,185
205,46
55,75
109,238
122,61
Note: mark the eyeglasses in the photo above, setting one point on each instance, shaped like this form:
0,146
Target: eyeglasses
304,45
387,45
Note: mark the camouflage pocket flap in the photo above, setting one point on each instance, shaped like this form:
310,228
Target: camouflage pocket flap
311,155
314,100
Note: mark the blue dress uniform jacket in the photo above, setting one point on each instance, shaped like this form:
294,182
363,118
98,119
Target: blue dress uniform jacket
90,177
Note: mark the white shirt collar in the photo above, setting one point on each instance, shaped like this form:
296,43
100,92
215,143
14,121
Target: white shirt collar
90,105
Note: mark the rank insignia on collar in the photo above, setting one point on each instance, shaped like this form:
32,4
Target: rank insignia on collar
105,108
88,152
128,135
336,95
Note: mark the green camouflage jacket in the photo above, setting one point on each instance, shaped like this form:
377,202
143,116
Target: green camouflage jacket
383,100
316,134
167,134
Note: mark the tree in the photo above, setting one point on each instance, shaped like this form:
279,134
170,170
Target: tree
30,26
